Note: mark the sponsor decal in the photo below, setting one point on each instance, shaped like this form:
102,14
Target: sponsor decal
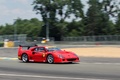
31,60
43,54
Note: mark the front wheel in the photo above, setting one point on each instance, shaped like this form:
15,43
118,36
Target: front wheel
25,58
50,59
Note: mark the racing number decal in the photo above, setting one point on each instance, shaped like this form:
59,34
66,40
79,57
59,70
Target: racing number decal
43,54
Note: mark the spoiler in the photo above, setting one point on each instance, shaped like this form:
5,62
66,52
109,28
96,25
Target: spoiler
28,46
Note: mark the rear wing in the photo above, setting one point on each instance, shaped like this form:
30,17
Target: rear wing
27,46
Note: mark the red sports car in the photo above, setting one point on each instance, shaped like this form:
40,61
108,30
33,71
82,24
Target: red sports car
46,54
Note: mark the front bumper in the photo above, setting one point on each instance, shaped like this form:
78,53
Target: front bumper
67,60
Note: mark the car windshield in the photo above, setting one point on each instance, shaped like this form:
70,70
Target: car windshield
53,49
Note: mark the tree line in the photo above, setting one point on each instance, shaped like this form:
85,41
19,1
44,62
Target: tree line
102,18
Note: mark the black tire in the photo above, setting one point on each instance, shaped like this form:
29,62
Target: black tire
25,58
50,59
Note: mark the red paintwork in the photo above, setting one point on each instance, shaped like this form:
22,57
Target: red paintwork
42,56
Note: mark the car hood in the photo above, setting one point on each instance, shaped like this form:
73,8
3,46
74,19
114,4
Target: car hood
66,54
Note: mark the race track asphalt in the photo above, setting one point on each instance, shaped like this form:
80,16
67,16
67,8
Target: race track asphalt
79,71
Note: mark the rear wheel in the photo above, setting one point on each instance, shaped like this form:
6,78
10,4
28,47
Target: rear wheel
25,58
50,59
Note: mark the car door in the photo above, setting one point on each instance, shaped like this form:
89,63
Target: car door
39,54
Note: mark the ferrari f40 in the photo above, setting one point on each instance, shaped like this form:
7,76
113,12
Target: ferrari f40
47,54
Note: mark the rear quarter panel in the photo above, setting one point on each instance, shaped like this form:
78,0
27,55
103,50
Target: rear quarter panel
21,52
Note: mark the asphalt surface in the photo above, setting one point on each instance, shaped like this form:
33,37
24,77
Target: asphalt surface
90,68
80,71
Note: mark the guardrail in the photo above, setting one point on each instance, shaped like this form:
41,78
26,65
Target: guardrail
70,43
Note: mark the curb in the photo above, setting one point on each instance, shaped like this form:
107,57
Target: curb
7,58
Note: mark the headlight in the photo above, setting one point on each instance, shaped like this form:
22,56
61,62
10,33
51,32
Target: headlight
60,56
76,55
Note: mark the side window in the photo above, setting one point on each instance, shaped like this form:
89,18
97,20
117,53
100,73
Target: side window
41,49
36,49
